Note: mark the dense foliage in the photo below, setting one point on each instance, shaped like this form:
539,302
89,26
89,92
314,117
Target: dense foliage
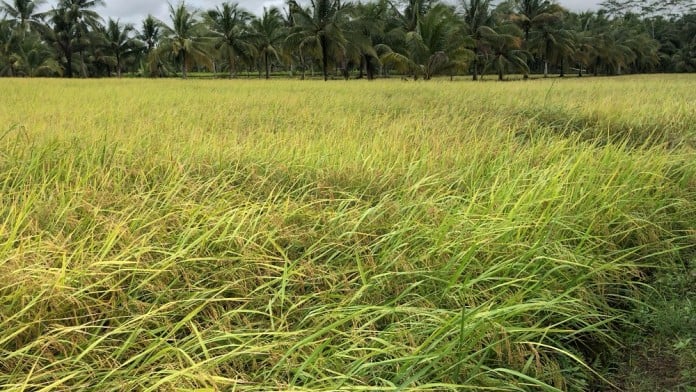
419,38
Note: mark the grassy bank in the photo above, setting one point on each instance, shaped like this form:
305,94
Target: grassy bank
252,235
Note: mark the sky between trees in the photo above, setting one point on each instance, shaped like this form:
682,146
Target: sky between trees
134,11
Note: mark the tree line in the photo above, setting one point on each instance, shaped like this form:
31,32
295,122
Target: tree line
363,39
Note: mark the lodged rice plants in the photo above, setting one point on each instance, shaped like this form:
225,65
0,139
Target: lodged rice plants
241,235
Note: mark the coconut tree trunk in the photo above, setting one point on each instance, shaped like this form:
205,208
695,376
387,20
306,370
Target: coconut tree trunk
83,66
526,42
325,58
475,75
363,67
231,65
369,69
562,68
183,65
525,76
596,67
266,65
546,68
304,67
346,73
68,64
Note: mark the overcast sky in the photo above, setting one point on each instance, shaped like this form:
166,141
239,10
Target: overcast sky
134,11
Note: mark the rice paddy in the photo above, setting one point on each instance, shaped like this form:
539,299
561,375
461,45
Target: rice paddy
245,235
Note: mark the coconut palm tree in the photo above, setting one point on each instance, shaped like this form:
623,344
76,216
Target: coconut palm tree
684,56
269,34
119,43
412,13
685,59
580,26
149,33
7,40
62,37
646,51
438,44
184,40
361,33
232,38
612,52
21,20
23,13
81,21
476,14
26,57
584,50
366,32
552,43
531,14
69,30
320,28
534,14
36,59
82,11
504,50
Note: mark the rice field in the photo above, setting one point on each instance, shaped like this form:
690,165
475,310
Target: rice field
245,235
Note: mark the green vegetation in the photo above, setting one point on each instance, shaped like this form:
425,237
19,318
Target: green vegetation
351,39
240,235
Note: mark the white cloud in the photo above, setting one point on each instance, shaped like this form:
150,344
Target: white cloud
580,5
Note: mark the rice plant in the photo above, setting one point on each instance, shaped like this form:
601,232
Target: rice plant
237,235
